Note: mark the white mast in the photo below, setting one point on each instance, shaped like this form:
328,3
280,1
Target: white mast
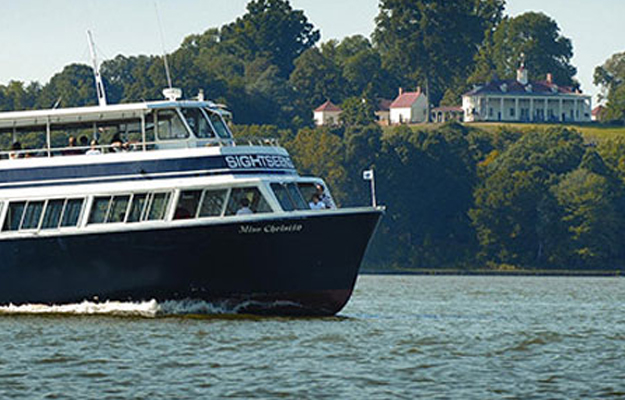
99,85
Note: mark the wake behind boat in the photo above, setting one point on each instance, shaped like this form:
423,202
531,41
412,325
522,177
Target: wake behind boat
174,208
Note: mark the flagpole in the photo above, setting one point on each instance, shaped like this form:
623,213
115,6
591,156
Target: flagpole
373,199
369,175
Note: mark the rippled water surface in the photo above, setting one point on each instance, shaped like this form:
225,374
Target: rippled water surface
399,337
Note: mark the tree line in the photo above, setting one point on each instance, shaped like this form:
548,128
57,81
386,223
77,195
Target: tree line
463,198
269,67
457,196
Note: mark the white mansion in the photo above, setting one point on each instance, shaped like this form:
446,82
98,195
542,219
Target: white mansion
523,101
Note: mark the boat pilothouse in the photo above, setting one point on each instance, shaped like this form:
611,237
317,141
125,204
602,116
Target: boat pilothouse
157,200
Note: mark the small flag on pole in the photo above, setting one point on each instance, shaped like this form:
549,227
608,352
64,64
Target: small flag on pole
367,175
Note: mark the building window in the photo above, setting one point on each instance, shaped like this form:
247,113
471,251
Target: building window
512,111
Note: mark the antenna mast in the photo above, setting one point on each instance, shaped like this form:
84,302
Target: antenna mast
160,28
99,85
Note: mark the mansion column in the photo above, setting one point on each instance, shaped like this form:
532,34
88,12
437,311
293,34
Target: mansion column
531,116
501,110
516,109
560,106
546,109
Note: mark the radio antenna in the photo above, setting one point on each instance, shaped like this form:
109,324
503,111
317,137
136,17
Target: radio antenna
99,85
160,29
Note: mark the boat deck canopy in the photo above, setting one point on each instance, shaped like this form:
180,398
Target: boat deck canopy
111,114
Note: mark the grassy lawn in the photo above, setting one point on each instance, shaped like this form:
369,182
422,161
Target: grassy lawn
591,131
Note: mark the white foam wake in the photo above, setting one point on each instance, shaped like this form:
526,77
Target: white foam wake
113,308
146,309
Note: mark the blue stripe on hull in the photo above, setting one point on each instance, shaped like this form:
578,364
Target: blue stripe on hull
122,171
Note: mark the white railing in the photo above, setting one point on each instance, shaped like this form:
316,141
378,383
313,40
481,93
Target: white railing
137,146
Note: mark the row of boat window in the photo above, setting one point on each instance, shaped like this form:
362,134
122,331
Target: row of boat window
150,206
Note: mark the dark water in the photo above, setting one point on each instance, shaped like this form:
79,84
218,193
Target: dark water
399,337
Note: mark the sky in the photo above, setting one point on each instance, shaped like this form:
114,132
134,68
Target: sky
39,37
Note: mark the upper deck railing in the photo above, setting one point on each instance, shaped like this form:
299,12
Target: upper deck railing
136,146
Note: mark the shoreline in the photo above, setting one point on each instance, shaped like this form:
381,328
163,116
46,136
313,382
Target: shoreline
458,272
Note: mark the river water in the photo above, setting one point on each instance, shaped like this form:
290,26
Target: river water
402,337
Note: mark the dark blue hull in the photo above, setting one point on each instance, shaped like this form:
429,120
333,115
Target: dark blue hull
303,266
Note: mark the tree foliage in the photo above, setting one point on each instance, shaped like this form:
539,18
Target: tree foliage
611,78
533,38
419,40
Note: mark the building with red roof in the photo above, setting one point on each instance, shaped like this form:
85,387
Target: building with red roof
327,114
597,113
523,101
409,108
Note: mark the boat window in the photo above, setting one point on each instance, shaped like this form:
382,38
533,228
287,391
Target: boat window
14,216
170,126
213,203
158,206
32,215
137,207
99,210
118,209
307,189
188,204
198,123
52,215
283,197
296,196
219,125
71,213
247,201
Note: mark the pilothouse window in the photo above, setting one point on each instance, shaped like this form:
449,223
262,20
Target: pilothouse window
170,126
198,123
219,125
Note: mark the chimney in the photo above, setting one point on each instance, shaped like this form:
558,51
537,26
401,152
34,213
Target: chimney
418,89
401,91
550,78
521,75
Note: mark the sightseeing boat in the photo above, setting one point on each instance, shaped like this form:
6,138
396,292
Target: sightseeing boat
157,200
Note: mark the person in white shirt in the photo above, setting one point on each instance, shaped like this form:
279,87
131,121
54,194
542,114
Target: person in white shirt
93,151
323,197
316,203
245,208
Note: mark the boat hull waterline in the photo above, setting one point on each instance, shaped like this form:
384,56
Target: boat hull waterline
292,265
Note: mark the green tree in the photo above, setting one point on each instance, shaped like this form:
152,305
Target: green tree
514,209
426,180
273,29
532,37
357,111
591,214
611,78
317,78
419,39
319,152
73,87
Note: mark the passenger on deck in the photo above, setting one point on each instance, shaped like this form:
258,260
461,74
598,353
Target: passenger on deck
316,203
15,151
117,144
245,207
93,151
324,197
71,144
